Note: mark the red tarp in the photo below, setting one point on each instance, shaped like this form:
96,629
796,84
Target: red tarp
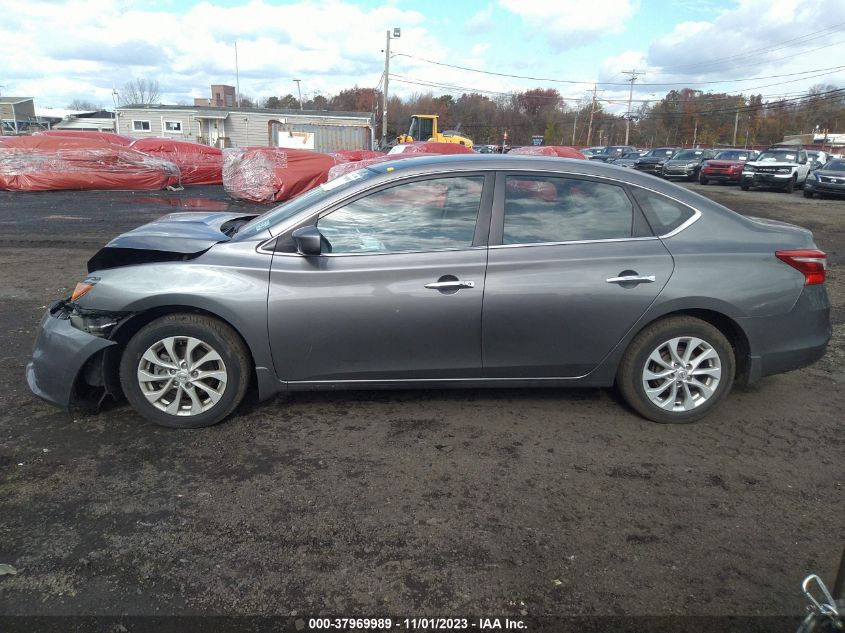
559,151
198,164
108,137
273,174
50,162
430,147
354,155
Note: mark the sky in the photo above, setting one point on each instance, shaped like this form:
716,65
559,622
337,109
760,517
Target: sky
61,50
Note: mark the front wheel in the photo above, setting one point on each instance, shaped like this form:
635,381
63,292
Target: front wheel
677,370
185,371
808,194
790,185
744,186
703,180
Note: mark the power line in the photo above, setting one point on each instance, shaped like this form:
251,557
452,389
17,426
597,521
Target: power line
456,88
610,83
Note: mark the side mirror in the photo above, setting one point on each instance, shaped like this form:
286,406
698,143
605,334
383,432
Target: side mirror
309,240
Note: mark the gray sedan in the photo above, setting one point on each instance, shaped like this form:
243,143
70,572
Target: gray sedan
485,271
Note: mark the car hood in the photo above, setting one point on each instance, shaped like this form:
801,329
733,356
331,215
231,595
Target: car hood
681,161
829,173
772,163
174,236
653,159
724,163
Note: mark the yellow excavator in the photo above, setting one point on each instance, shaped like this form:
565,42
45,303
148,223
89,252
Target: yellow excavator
424,128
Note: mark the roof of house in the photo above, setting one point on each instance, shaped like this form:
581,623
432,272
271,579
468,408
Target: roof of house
14,100
290,112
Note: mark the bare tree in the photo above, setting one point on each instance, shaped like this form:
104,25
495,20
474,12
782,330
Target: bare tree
140,92
82,104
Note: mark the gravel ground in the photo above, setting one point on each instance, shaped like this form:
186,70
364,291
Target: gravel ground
412,502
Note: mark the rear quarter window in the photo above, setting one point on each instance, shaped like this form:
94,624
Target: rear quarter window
663,214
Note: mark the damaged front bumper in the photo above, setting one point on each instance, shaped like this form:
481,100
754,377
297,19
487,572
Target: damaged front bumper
61,352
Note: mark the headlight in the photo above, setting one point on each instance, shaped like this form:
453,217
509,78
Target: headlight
691,164
96,322
749,168
784,170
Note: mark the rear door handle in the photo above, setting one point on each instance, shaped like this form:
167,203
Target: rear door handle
450,285
631,279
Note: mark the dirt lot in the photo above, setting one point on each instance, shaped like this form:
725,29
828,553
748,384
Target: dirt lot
460,502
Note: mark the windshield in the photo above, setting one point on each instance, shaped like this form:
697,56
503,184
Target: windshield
661,151
631,155
592,151
777,157
733,156
836,165
687,154
303,201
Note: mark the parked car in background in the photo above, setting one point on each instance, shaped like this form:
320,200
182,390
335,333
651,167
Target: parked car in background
443,271
652,161
686,163
817,158
611,152
592,151
782,167
828,180
627,159
726,166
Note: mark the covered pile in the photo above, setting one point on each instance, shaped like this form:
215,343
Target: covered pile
198,164
108,137
51,162
431,147
273,174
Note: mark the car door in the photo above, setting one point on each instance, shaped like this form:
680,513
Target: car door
397,293
572,266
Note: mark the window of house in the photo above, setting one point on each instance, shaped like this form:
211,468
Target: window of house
173,127
425,215
229,100
546,209
140,126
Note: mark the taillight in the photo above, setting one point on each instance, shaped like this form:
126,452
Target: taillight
811,264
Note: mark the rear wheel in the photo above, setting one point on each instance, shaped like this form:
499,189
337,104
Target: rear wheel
677,370
185,371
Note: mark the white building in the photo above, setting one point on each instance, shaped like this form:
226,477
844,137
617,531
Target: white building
322,131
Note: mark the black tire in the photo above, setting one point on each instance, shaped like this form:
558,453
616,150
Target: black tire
744,186
790,185
808,194
629,377
215,334
702,180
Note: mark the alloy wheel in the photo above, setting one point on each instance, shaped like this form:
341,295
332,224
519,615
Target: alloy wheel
182,375
681,374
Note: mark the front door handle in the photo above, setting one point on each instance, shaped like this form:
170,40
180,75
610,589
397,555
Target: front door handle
631,279
450,285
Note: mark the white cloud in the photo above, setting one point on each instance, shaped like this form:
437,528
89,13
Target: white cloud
481,21
570,23
74,52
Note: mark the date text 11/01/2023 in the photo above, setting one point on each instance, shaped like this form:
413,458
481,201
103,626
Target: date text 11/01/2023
415,624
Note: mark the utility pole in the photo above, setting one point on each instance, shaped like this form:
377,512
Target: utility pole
299,91
574,127
736,126
634,74
592,112
237,77
396,34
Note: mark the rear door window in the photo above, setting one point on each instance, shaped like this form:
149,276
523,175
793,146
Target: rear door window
544,209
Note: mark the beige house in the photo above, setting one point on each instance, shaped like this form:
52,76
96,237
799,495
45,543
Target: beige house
17,115
322,131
